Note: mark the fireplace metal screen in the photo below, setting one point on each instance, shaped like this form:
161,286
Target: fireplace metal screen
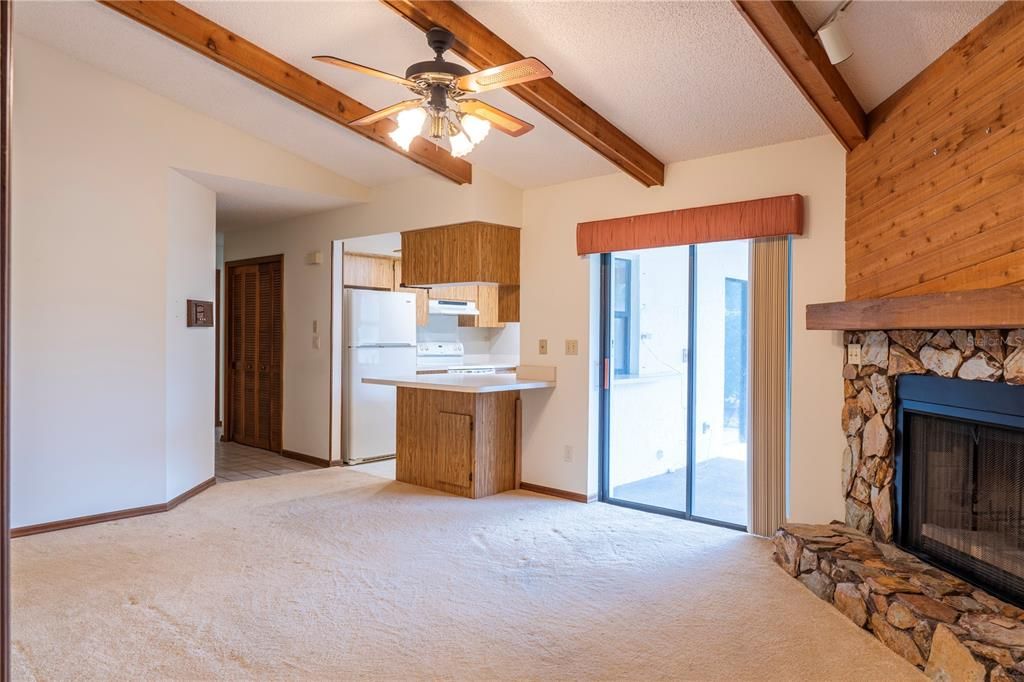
961,498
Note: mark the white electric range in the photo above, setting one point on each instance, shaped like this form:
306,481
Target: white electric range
449,356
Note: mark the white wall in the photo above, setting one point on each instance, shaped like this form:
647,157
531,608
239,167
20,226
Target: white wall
559,301
191,258
97,280
410,204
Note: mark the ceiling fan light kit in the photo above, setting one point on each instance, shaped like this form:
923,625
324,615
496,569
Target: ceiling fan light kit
440,87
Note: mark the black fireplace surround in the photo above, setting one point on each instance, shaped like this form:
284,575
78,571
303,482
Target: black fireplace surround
959,482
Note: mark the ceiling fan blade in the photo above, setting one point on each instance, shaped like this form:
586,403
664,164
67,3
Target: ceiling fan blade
376,73
513,73
386,112
503,121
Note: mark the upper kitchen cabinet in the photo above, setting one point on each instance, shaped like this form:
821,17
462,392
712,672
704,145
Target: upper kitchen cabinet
369,271
465,253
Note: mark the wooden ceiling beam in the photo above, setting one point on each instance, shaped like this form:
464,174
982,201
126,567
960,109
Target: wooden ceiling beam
479,46
783,30
212,40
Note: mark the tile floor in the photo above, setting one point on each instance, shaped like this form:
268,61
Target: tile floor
236,462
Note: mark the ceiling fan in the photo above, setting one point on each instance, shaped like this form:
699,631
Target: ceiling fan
441,88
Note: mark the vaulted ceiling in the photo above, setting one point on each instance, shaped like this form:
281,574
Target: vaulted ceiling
683,79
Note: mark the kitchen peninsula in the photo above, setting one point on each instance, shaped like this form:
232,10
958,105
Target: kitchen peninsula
459,433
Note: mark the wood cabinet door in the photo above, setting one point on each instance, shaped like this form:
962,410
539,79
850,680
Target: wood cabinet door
254,367
368,272
487,302
453,448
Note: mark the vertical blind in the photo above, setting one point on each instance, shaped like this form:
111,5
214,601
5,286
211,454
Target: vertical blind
769,304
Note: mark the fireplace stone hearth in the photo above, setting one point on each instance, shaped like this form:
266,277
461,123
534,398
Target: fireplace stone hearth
943,625
946,626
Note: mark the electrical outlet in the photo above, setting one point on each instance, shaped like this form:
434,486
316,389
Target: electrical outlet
542,346
853,353
567,456
316,342
572,347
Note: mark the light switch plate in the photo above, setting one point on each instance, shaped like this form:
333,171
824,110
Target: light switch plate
542,346
572,347
853,353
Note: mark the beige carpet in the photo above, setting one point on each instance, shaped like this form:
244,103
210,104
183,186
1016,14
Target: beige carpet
335,574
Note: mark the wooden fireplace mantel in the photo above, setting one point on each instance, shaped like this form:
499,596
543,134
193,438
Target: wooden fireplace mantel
999,308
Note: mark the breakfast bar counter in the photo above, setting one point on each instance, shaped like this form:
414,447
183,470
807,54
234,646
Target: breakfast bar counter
460,433
465,383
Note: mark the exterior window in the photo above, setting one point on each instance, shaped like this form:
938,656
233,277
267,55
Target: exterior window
624,341
735,394
675,411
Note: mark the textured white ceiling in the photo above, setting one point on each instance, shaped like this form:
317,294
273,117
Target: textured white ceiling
893,41
242,204
685,79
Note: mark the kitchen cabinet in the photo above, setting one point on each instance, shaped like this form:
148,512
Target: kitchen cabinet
508,303
461,443
422,303
487,302
368,271
458,254
461,293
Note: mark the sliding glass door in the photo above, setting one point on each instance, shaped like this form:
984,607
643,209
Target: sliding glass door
674,407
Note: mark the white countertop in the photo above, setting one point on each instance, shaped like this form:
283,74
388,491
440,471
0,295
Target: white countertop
464,383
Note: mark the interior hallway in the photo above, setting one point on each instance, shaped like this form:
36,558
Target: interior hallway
334,573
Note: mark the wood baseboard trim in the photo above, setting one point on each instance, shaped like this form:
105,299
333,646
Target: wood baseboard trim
192,492
64,524
308,459
555,492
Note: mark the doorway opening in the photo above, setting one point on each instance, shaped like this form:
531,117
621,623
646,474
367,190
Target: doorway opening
674,400
253,372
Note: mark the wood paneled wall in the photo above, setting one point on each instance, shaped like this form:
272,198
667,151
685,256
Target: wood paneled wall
935,197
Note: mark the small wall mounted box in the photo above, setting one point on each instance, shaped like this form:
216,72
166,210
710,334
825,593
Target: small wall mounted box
199,313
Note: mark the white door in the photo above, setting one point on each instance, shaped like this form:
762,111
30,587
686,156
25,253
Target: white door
379,317
368,428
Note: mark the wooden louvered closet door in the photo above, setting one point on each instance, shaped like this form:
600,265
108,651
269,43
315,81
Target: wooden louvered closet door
255,349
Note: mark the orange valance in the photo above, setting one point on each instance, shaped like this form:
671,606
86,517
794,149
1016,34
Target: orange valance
771,217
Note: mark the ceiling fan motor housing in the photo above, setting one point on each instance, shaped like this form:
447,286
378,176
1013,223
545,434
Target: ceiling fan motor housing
437,74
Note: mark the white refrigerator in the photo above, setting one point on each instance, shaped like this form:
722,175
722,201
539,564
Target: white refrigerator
379,341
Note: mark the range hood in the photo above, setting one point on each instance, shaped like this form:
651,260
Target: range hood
448,307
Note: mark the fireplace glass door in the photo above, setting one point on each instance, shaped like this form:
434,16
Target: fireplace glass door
963,500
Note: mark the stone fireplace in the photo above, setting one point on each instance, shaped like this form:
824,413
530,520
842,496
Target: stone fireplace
932,476
959,482
868,415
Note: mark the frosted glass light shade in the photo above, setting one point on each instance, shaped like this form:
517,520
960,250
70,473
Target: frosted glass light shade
460,145
476,128
410,124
